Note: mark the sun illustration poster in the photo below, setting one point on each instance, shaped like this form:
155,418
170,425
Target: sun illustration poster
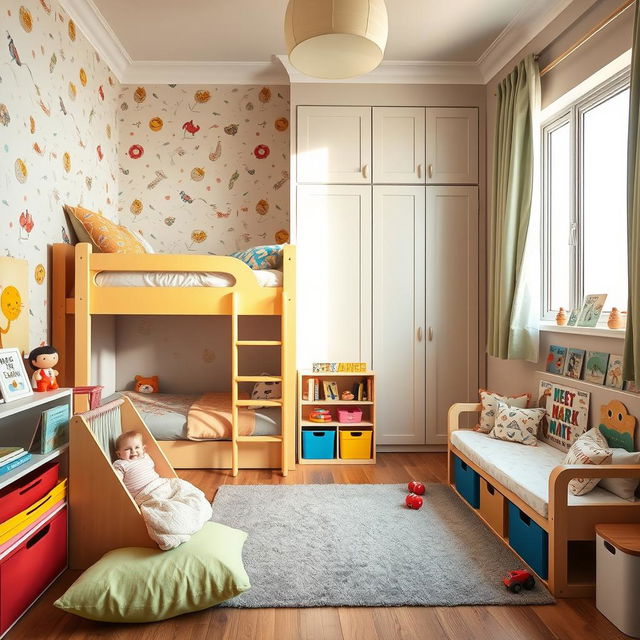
14,308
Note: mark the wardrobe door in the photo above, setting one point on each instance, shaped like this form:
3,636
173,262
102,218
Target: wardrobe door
398,145
333,274
334,145
452,303
399,313
452,145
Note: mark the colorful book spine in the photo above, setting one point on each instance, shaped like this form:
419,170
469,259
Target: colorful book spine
9,466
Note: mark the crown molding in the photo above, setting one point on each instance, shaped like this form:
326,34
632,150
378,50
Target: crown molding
525,26
399,72
170,72
98,32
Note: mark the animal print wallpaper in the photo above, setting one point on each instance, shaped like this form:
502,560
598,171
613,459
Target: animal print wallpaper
204,168
58,139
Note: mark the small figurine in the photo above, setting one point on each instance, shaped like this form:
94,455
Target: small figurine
561,317
146,385
347,395
42,361
616,319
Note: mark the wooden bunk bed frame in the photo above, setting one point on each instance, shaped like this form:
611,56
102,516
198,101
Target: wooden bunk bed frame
76,298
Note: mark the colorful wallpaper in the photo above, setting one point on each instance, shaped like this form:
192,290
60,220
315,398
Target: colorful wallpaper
58,138
204,168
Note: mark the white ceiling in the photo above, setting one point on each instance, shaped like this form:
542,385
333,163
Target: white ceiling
235,41
251,30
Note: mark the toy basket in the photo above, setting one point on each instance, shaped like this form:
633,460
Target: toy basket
349,415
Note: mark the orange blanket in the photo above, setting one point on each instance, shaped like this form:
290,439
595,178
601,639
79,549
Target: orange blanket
209,418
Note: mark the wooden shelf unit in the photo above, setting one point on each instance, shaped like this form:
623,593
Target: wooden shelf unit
345,381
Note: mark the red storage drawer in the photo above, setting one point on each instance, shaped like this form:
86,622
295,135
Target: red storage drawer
28,569
22,493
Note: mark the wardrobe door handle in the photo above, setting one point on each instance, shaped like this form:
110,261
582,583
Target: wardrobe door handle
419,334
430,334
430,169
419,171
365,171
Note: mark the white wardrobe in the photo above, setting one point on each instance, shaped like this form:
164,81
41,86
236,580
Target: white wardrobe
387,235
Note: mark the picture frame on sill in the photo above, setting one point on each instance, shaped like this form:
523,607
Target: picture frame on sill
591,309
14,381
330,389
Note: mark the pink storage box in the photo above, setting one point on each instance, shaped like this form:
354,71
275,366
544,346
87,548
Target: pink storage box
349,415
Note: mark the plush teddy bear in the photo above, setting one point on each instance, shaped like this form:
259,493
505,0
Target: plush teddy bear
146,385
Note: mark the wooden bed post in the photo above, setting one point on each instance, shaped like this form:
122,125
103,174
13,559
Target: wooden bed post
82,322
288,359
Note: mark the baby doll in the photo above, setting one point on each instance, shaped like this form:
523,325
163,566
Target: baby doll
172,508
42,360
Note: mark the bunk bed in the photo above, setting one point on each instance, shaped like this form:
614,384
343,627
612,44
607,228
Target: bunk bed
87,284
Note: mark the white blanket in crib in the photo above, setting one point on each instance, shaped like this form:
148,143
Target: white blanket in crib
173,510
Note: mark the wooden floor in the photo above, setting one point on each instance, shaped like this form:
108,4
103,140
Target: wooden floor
569,619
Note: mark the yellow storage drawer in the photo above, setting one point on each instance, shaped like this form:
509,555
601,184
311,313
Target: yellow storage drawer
355,444
22,520
493,507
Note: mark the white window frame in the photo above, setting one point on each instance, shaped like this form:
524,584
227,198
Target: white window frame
572,114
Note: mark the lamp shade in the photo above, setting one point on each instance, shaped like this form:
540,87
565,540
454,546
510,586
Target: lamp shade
335,39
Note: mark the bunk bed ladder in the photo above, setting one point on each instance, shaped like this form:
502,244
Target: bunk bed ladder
236,379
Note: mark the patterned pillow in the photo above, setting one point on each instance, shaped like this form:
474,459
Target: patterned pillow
105,236
266,391
586,451
266,257
517,425
489,402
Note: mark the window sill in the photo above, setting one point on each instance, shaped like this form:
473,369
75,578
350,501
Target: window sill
601,331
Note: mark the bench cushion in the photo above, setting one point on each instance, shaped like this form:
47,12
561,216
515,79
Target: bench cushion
523,470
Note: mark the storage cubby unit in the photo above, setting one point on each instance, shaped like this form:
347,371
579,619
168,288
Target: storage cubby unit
350,433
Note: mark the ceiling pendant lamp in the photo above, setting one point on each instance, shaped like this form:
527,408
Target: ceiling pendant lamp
335,39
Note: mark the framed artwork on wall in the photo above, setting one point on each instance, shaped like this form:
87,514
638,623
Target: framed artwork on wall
591,310
14,304
14,381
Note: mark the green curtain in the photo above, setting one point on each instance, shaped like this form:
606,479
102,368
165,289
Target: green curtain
632,336
512,330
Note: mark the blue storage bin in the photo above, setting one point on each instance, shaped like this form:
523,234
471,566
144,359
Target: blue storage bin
467,482
529,540
319,444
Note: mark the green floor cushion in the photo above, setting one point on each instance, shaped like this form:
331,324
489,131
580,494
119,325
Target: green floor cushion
135,584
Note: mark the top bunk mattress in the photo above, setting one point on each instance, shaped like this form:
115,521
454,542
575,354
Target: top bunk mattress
264,277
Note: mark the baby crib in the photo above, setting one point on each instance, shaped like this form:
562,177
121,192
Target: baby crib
103,515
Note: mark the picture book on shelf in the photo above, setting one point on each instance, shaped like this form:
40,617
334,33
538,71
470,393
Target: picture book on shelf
573,363
595,367
52,430
567,413
9,453
591,310
14,463
614,372
555,359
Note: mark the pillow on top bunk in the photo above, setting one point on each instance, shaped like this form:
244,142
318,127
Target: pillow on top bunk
136,584
104,234
265,257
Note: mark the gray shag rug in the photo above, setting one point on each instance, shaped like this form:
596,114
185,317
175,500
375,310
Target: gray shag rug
359,545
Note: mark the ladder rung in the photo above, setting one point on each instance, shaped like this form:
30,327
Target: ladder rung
259,403
258,379
259,438
258,343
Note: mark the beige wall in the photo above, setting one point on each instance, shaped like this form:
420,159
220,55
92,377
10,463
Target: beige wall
515,376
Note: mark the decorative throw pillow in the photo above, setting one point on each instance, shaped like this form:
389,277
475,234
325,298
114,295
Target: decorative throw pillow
586,451
266,391
489,402
517,425
623,487
142,240
105,236
135,584
265,257
596,435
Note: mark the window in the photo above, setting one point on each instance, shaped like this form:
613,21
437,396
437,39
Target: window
584,183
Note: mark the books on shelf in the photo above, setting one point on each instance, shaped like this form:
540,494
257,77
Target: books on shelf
8,453
52,430
5,467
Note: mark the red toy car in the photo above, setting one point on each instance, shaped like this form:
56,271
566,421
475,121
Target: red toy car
518,579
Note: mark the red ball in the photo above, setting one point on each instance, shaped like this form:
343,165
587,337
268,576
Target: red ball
413,501
416,487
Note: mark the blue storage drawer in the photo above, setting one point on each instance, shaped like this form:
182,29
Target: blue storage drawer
529,540
467,482
319,444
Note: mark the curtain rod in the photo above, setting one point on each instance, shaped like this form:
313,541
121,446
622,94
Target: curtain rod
587,36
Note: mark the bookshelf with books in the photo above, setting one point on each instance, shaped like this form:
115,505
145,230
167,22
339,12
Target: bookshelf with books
331,429
33,504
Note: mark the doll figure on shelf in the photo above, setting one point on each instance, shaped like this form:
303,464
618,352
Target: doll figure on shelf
42,361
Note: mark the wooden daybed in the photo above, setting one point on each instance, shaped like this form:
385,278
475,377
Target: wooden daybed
76,298
570,527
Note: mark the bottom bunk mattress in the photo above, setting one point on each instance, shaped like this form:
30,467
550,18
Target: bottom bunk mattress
166,415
